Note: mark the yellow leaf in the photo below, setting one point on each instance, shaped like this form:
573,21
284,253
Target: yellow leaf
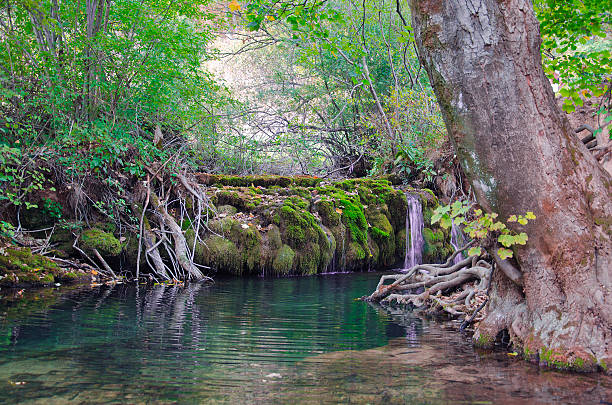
475,251
338,210
504,253
94,272
270,18
513,354
234,6
512,218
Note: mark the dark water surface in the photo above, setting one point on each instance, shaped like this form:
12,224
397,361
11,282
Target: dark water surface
294,340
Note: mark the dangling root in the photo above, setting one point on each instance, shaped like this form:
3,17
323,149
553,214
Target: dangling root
181,249
458,289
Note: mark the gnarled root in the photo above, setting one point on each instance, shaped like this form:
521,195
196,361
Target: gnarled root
459,289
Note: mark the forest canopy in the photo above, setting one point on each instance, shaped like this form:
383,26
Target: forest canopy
102,89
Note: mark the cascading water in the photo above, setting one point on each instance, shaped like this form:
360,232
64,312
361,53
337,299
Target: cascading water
457,241
414,232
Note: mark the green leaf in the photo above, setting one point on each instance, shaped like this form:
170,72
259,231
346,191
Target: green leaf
521,238
506,240
504,253
475,251
522,221
497,226
530,215
446,222
512,218
568,108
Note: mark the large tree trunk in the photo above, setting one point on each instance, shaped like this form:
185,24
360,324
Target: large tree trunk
483,59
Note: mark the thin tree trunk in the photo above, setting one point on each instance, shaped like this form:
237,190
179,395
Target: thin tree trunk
483,59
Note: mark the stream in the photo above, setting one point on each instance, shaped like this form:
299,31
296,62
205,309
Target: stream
251,341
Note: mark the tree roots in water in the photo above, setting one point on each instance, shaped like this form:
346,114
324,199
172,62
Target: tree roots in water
460,289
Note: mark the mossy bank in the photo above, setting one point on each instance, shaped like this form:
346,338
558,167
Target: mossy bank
271,226
307,226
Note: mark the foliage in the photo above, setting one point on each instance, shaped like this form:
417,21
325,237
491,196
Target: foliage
87,87
344,84
7,230
576,51
19,177
483,226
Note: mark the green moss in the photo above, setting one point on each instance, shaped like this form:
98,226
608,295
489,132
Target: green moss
283,262
382,233
295,235
557,359
309,259
355,252
47,279
379,233
274,238
355,220
327,212
220,254
19,267
427,214
300,191
250,244
484,340
227,210
602,364
299,226
104,242
428,235
328,247
223,226
400,242
226,197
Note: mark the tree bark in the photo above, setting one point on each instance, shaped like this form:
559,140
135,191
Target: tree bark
483,60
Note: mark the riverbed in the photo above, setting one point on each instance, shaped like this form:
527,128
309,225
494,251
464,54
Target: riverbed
253,340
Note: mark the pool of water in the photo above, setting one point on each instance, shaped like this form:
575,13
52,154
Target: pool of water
251,341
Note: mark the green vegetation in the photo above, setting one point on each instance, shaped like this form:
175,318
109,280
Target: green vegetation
20,268
104,242
483,227
576,49
114,113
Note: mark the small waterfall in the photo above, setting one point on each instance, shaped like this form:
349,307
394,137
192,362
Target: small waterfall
414,232
457,241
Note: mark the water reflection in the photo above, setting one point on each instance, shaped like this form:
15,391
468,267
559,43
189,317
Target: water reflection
256,341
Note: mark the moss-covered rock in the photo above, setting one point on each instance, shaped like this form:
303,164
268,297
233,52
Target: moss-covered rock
381,231
283,262
104,242
350,224
258,180
220,253
62,239
19,267
274,238
227,210
330,215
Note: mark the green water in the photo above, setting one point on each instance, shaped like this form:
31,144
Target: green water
293,340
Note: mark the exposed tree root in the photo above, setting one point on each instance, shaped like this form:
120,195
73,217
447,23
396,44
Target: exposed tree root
460,289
